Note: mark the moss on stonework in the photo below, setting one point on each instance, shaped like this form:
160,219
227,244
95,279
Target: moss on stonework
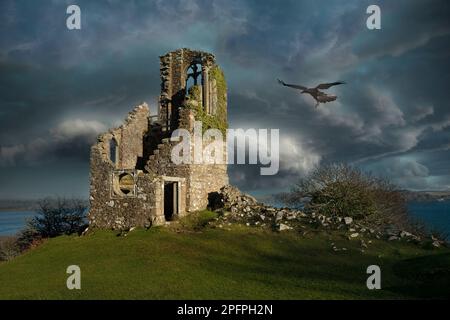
219,119
221,108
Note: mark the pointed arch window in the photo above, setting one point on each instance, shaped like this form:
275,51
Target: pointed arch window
194,76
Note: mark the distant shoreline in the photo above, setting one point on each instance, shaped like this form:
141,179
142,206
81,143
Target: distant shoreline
17,209
426,196
17,205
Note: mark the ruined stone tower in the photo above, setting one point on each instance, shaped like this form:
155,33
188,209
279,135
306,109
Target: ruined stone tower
133,180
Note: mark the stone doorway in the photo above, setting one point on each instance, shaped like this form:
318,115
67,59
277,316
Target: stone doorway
171,200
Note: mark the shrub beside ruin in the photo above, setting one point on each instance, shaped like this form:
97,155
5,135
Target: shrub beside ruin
342,190
54,217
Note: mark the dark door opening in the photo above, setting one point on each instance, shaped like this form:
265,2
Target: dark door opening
170,200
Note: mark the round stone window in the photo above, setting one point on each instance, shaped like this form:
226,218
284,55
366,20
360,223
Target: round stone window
126,183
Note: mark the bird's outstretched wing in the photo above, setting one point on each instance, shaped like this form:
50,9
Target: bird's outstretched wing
291,85
329,85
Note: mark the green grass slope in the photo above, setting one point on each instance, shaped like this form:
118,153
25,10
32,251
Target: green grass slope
212,263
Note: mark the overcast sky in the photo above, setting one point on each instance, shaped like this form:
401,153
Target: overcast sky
60,88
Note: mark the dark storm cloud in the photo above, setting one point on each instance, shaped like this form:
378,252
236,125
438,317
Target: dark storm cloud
60,88
68,141
396,99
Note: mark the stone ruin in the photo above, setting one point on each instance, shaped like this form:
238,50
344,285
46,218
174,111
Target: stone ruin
133,182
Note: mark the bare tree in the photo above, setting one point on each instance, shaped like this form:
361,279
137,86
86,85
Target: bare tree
57,216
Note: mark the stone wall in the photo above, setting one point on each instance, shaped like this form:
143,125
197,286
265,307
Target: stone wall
129,138
131,135
173,67
203,180
107,208
160,166
110,212
200,179
130,191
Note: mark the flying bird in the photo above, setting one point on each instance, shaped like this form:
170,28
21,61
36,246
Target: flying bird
319,96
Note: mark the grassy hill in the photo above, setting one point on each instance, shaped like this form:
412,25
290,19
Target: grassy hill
195,262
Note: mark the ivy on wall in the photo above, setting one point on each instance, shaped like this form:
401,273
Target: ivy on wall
218,120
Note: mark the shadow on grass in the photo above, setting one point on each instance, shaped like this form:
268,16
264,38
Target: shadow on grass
427,276
279,261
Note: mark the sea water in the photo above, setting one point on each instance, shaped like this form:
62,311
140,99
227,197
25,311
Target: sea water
434,214
12,222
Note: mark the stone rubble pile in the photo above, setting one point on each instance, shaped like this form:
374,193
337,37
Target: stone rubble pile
234,206
237,207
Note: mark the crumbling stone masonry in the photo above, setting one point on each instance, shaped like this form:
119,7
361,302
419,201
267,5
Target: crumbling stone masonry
133,181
